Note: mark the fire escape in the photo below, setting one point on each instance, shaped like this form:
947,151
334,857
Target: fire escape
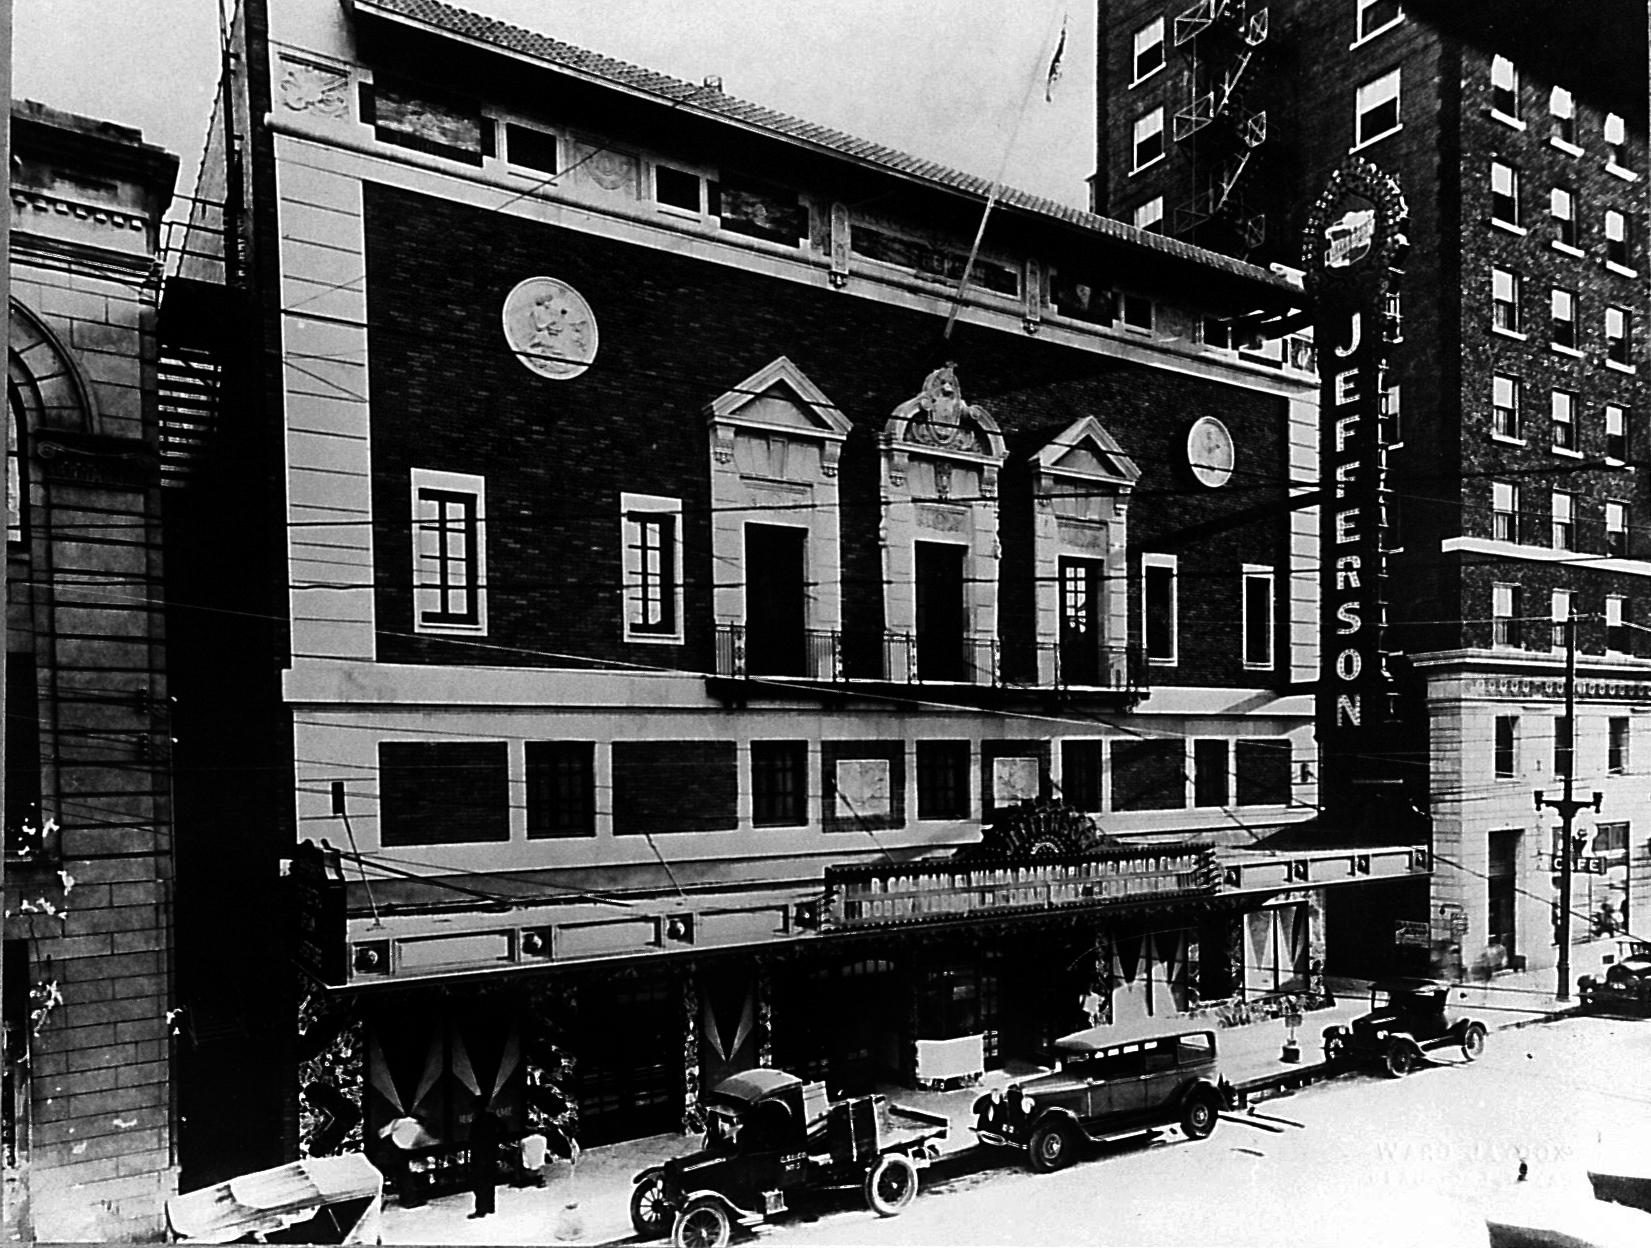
1221,40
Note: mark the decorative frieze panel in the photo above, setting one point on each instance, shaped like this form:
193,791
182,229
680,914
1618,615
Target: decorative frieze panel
304,86
1552,688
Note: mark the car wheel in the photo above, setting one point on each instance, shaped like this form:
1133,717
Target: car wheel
1401,1058
703,1224
1051,1147
891,1184
1473,1041
1198,1116
650,1212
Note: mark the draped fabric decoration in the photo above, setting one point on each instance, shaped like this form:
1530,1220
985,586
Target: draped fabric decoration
1295,936
1169,977
693,1116
1130,959
765,1018
742,1031
1260,951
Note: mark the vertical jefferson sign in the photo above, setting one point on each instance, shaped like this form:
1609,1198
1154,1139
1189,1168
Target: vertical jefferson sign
1355,242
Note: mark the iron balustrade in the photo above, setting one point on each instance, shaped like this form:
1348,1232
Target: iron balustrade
817,654
911,659
1075,664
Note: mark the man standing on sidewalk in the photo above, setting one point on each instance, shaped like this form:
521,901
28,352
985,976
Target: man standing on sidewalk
484,1160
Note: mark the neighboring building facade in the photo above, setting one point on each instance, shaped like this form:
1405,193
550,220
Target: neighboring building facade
88,1114
662,603
1517,401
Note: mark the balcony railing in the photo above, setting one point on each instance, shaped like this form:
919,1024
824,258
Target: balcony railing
914,659
813,654
1084,665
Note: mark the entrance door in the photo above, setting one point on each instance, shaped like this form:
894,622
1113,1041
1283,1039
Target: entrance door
1275,950
940,612
776,600
1500,885
1080,640
630,1060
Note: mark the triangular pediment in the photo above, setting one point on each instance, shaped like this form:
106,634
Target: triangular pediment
1085,449
780,397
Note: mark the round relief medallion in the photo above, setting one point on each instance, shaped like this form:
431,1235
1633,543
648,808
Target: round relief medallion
550,328
1210,451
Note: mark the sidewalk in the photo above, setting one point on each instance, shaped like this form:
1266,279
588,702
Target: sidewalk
590,1204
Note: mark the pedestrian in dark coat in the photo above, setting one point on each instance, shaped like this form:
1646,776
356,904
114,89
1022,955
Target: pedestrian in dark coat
485,1131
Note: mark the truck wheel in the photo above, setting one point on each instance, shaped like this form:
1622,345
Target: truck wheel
1335,1049
703,1224
1051,1147
1401,1058
891,1184
1473,1041
650,1213
1198,1115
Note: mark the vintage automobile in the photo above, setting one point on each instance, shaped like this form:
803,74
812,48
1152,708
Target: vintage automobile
767,1145
1407,1018
1107,1086
1626,984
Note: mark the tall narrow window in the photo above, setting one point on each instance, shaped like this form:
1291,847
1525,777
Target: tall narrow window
1617,632
1563,424
1564,752
1504,300
1507,747
651,531
449,553
1504,405
1504,611
940,612
1081,773
1616,529
561,788
1211,768
1504,87
1563,323
1619,324
1258,617
1149,48
1562,207
776,600
1149,138
1617,250
1564,522
1616,753
1377,109
1562,113
943,780
1616,432
1377,15
1150,215
1504,503
1616,142
1504,193
779,784
1158,600
1559,610
1082,621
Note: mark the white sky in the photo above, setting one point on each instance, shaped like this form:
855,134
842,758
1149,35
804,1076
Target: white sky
944,79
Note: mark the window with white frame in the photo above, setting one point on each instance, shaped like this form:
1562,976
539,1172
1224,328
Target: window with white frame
1562,113
1504,87
1563,424
651,536
1150,215
1507,747
1616,528
1616,142
1617,249
1619,734
1562,208
1258,616
1504,300
1149,138
1617,640
1149,48
1504,511
1504,193
1159,623
678,191
1504,405
1616,432
1563,320
1504,613
1619,323
1564,521
1135,311
1559,611
1376,110
1376,16
527,148
449,552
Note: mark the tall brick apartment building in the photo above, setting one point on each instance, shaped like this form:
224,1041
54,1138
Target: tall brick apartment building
1517,399
635,604
88,1120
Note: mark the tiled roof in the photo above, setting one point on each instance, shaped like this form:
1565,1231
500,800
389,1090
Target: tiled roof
713,102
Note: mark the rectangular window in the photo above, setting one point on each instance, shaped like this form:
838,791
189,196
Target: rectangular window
1616,432
1149,775
1616,529
1564,754
1150,215
1616,141
675,786
1563,423
530,149
1563,304
1559,610
1258,617
651,534
1263,768
1149,138
1562,113
943,780
1619,325
1158,605
1504,405
1616,753
1211,785
1149,48
1562,208
1504,193
1504,612
1377,15
1135,311
561,788
423,120
1377,109
1617,250
1081,767
1617,633
1504,504
757,209
1564,521
1504,300
449,552
443,792
779,783
1507,747
678,189
1504,87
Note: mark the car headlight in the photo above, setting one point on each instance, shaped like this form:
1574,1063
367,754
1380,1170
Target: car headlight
997,1096
1026,1103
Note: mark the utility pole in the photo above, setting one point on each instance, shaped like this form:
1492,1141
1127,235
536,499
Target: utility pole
1567,806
